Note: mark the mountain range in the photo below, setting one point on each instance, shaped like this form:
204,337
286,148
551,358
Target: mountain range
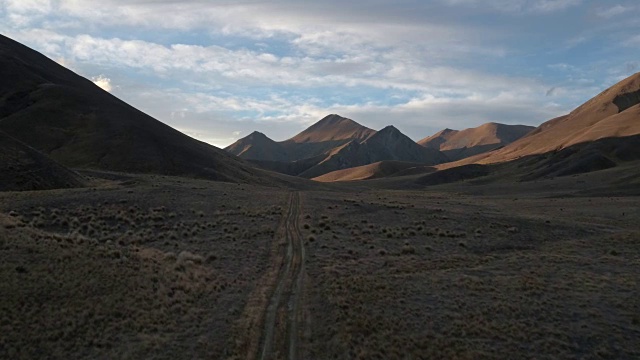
614,113
468,142
53,120
602,133
336,143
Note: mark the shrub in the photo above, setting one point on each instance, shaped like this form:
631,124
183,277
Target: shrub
185,256
408,249
211,258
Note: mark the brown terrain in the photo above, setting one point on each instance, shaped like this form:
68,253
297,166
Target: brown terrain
612,114
602,133
468,142
536,257
333,143
327,134
376,170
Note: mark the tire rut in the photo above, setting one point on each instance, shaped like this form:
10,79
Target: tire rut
287,295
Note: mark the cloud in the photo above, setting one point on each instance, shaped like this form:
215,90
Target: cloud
614,11
633,41
217,67
519,6
382,68
103,82
217,119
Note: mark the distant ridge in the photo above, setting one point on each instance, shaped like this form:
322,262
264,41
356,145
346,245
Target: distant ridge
387,144
258,146
333,128
601,134
328,133
614,113
331,144
469,142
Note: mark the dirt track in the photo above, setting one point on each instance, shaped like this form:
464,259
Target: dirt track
283,313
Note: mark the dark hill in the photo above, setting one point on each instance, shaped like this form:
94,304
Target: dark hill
24,168
70,119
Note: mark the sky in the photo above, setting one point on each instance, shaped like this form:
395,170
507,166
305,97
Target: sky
218,70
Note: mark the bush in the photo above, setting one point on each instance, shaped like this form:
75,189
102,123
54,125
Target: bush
408,250
185,256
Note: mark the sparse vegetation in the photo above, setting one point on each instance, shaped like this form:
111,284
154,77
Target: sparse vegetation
111,272
379,285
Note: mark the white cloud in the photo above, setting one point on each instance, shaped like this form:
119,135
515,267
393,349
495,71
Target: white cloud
22,13
519,6
379,68
103,82
219,66
633,41
553,5
614,11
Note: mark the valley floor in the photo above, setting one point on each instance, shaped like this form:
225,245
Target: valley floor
155,267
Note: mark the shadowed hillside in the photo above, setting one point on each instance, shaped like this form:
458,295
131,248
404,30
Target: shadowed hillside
333,143
76,123
387,144
330,132
24,168
258,146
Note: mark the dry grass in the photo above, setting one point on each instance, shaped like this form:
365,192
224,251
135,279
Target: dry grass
459,281
165,268
120,274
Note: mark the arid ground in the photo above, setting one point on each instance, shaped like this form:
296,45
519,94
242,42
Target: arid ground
160,267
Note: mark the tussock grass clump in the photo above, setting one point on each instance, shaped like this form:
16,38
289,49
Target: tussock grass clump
408,250
186,256
211,258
